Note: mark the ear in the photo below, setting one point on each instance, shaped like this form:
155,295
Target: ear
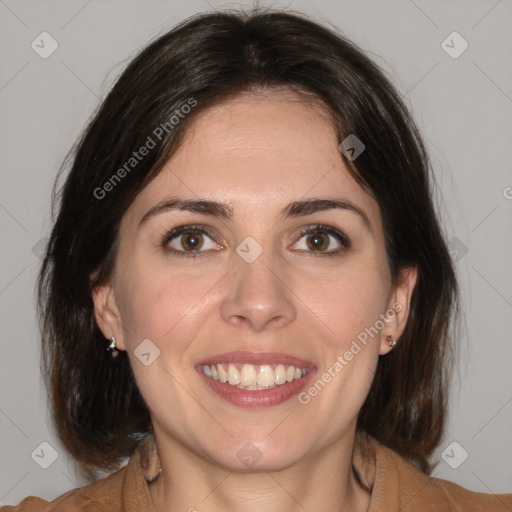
398,307
107,314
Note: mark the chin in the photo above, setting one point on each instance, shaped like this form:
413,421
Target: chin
244,456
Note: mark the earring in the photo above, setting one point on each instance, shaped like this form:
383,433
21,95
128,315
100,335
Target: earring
112,347
390,340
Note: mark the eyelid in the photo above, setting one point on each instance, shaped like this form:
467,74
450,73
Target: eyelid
186,229
340,236
178,231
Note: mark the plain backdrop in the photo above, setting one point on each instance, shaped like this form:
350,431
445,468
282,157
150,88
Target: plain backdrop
462,105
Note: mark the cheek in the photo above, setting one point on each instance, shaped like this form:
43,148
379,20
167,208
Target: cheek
350,305
349,302
163,305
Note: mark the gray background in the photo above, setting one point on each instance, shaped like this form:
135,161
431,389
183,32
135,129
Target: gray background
463,107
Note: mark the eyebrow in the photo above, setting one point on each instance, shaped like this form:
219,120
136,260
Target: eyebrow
225,211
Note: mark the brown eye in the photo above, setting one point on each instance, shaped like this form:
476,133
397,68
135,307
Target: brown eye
189,241
318,242
322,240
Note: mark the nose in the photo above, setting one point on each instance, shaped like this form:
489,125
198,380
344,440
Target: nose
258,295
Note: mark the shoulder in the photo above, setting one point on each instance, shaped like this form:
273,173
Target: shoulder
462,499
402,486
128,485
104,495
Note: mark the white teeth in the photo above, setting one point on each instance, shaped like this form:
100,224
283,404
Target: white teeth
223,376
265,376
280,374
248,376
254,388
233,375
253,377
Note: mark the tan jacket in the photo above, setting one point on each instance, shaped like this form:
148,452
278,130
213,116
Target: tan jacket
396,485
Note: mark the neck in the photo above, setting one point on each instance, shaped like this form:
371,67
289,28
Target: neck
325,481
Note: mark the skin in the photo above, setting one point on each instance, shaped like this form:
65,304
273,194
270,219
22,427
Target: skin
256,152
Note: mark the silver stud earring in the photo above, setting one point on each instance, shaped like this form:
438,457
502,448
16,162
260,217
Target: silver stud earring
390,340
112,347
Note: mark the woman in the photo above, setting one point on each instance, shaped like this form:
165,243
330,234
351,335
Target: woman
247,291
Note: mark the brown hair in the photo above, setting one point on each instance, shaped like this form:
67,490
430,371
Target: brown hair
98,410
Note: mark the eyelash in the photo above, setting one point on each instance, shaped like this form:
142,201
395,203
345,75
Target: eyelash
317,228
322,228
182,230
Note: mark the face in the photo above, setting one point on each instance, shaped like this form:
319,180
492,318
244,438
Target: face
250,278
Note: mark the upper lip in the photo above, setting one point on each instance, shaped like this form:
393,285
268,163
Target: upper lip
257,358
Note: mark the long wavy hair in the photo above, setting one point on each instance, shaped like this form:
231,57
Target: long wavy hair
96,405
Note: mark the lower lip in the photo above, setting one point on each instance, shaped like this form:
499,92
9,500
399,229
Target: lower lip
257,398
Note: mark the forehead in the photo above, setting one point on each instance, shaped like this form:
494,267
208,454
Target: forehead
257,150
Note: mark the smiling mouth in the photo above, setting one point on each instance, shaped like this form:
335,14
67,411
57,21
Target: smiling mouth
252,377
